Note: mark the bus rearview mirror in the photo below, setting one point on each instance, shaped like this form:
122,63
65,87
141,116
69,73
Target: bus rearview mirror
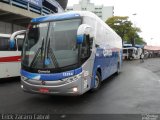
80,39
12,43
12,40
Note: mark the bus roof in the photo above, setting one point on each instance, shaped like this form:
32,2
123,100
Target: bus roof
62,16
130,45
69,15
72,15
129,48
5,35
54,17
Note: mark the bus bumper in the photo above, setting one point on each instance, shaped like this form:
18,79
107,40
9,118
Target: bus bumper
59,87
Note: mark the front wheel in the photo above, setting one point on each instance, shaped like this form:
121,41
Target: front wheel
130,58
97,82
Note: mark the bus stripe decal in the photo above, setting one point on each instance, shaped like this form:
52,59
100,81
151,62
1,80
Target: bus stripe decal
10,59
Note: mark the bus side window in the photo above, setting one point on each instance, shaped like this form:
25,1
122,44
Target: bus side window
136,51
86,47
19,43
19,39
5,45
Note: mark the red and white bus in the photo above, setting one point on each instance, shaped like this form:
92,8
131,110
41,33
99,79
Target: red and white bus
10,57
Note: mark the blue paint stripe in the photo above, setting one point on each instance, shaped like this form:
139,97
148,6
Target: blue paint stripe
55,17
51,77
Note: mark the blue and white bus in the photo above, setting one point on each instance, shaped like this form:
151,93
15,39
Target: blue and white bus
69,54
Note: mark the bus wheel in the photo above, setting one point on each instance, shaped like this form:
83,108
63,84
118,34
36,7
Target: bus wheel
130,58
118,68
97,82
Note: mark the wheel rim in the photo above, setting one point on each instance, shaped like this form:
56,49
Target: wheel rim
96,83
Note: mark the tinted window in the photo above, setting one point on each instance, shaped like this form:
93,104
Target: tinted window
20,39
20,43
4,44
124,51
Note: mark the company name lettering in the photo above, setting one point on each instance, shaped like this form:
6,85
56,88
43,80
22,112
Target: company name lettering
47,71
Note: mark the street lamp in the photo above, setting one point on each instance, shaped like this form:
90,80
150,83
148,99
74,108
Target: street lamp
134,14
151,42
134,24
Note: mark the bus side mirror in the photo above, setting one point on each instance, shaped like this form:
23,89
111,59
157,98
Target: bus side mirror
12,43
80,39
12,40
83,30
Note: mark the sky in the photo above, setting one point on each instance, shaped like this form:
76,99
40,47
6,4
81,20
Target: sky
147,16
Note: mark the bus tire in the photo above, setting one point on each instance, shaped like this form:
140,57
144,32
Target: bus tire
97,82
118,69
130,58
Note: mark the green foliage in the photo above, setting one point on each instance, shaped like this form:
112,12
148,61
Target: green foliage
124,28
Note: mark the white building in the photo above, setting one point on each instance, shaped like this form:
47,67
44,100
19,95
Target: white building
104,12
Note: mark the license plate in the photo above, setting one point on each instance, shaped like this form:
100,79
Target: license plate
44,90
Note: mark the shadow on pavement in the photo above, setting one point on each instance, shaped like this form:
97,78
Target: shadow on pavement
9,80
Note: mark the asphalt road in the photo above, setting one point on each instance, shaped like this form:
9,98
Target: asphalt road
135,90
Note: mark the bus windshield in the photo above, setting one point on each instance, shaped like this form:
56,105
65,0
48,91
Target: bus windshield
51,44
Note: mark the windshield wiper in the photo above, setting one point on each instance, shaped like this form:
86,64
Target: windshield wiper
37,54
42,49
48,47
49,50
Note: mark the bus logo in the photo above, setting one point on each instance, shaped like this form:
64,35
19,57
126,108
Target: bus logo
107,52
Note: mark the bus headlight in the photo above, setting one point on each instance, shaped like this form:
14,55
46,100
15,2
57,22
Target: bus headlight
73,78
85,79
24,78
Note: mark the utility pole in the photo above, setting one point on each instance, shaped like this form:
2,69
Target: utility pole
134,24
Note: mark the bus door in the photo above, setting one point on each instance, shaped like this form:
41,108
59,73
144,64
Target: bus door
11,57
4,51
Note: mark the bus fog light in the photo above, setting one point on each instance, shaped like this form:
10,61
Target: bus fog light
75,89
22,86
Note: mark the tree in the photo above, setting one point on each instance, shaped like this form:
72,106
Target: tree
124,28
